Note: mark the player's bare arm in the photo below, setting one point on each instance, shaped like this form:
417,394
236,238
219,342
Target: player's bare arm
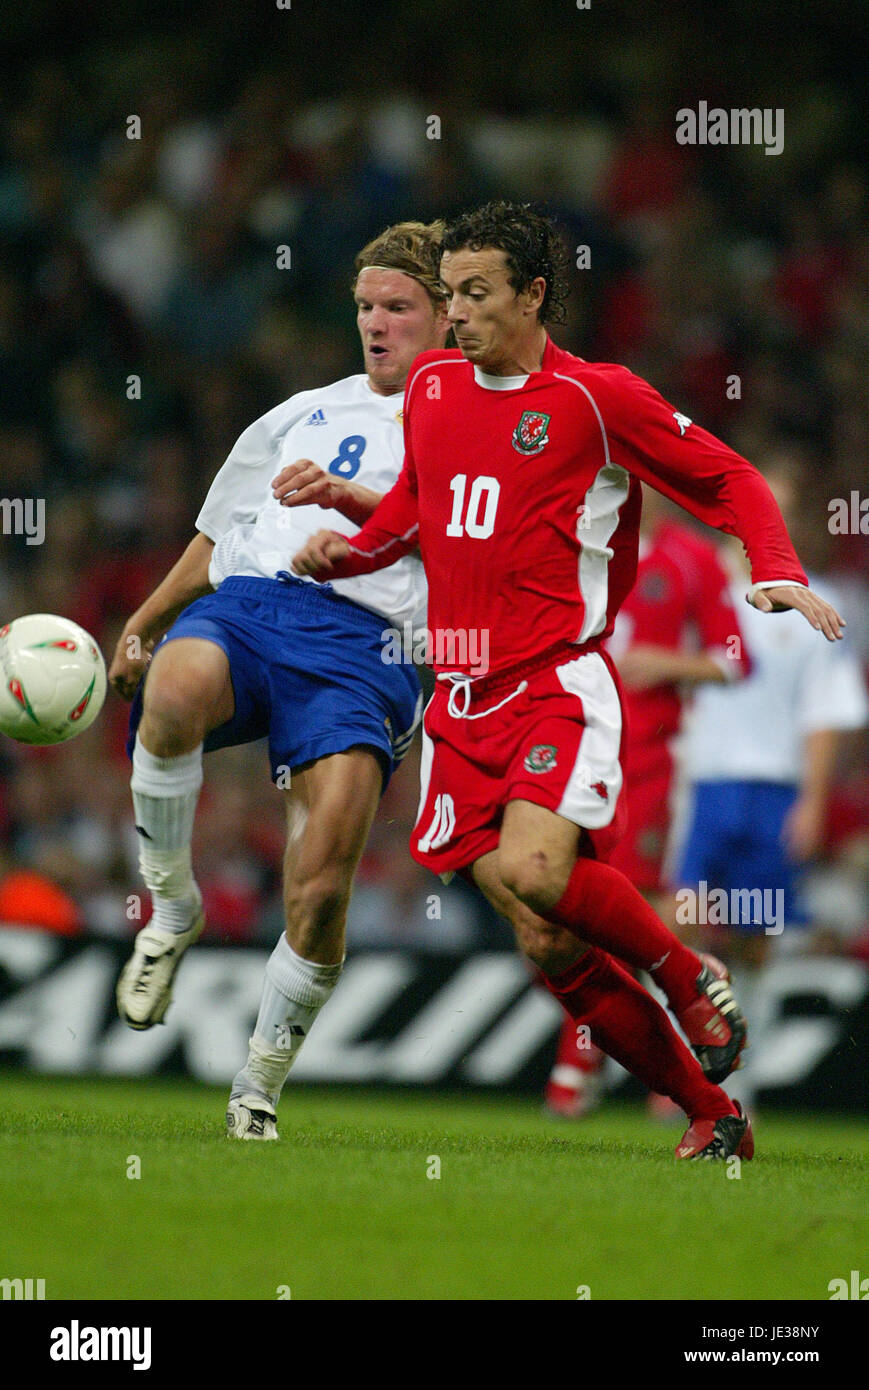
302,483
815,610
645,665
186,581
317,557
803,829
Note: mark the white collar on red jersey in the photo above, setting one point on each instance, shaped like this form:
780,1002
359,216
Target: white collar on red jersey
498,383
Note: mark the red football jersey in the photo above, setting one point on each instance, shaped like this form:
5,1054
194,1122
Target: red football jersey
523,494
681,596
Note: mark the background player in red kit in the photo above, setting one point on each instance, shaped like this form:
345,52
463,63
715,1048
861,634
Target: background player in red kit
521,486
676,629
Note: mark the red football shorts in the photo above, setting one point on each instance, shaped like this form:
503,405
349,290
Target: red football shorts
554,738
647,797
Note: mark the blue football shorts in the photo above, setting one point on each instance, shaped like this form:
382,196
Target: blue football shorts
734,841
307,673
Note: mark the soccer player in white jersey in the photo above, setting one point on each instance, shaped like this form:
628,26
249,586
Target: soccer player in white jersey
760,759
270,654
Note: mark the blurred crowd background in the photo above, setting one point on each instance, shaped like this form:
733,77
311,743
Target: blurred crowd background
148,314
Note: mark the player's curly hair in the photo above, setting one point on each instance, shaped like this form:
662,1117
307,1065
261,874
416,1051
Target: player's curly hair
531,242
414,248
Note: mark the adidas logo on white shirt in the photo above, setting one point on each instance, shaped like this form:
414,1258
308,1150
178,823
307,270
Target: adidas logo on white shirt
318,418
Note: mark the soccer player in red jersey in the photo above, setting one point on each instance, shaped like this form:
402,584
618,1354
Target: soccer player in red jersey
521,487
677,629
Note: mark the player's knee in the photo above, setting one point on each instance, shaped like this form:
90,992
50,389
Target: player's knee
173,708
187,692
529,876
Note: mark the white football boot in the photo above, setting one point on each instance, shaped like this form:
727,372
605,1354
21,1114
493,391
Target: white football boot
145,988
251,1117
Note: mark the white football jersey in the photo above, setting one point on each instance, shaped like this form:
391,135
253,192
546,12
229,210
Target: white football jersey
753,731
346,429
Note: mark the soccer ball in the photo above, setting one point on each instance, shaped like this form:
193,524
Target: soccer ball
52,679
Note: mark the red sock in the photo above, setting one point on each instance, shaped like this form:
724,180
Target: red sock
627,1023
604,908
571,1053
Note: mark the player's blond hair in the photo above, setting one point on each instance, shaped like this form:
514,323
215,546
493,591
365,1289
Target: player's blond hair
414,248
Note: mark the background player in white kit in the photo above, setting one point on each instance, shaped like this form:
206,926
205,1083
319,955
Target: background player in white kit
760,758
269,654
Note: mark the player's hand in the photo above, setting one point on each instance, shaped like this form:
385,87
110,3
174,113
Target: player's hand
803,829
317,556
129,664
815,610
303,482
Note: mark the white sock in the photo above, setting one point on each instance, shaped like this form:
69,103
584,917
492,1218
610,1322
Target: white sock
165,793
294,992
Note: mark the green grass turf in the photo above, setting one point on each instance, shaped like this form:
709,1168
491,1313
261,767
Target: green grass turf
525,1208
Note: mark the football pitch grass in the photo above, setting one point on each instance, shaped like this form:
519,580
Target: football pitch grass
343,1208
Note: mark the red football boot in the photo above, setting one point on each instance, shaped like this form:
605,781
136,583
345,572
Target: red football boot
728,1137
713,1023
